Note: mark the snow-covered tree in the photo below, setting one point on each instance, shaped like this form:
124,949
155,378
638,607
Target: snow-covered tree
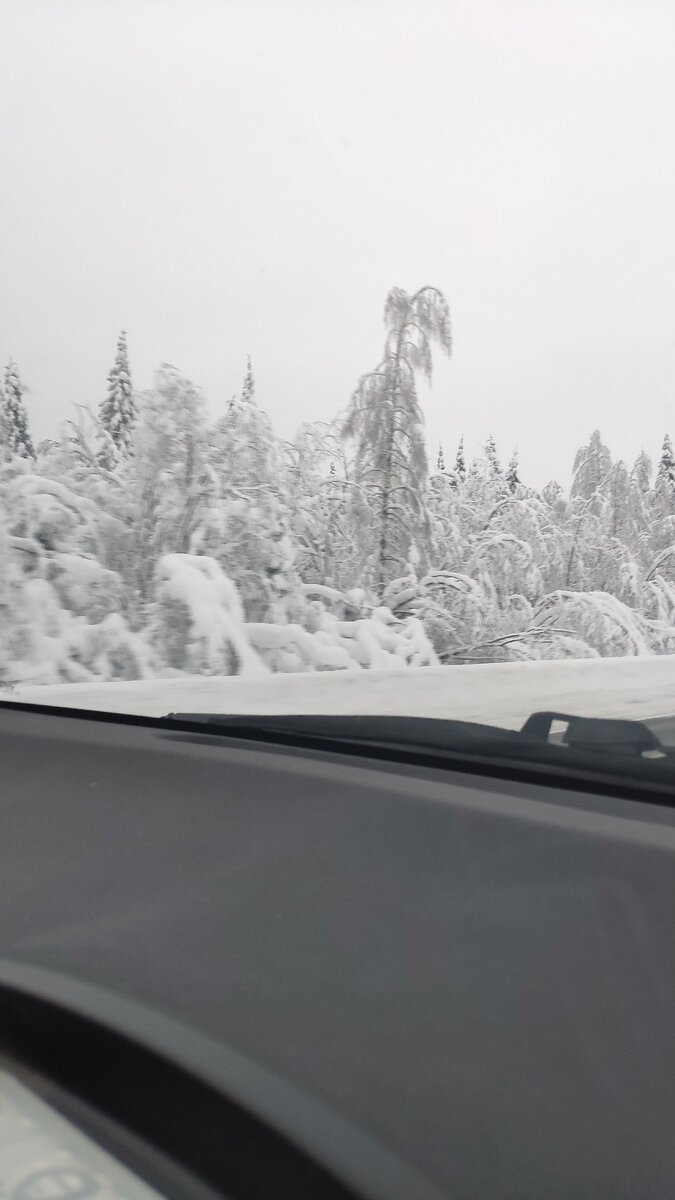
665,475
512,476
460,462
248,389
386,423
553,495
491,456
117,412
440,459
4,447
14,431
317,476
620,511
250,529
171,484
641,475
592,464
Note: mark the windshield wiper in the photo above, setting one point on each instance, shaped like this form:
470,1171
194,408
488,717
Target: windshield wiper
558,749
600,735
422,732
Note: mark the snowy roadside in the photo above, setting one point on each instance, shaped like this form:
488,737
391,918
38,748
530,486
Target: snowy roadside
501,694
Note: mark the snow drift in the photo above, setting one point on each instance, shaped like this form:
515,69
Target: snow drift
502,694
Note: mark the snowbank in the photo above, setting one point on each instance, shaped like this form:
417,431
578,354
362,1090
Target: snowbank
502,694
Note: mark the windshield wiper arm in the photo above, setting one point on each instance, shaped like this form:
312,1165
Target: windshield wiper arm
603,735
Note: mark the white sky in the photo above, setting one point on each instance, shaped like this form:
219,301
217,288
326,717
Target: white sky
225,178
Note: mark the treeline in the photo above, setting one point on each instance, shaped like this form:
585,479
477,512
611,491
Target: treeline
148,539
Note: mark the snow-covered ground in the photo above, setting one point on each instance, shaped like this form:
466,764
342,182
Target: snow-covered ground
502,694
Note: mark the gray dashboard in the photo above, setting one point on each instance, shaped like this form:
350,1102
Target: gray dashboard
476,975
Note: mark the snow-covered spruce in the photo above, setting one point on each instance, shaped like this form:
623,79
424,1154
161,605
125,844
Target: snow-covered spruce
117,412
15,439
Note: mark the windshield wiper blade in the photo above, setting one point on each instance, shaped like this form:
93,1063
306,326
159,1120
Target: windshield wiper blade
423,732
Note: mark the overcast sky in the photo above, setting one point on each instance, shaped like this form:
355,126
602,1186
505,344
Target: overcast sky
225,178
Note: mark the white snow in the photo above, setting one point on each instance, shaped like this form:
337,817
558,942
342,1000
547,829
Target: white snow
501,694
215,610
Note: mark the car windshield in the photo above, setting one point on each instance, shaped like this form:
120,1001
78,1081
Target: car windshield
338,358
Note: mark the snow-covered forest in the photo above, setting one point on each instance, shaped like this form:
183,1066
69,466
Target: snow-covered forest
150,540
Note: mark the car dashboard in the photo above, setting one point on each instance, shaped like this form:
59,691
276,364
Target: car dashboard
249,970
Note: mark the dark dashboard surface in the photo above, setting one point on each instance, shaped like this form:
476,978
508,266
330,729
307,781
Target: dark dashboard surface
478,975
